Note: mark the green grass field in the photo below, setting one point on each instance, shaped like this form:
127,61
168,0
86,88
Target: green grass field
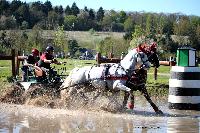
85,38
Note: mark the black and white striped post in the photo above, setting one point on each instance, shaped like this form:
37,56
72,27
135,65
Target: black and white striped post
184,82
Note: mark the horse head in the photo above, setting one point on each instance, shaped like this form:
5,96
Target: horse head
135,60
152,55
142,61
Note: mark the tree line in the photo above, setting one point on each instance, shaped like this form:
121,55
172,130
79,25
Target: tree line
170,30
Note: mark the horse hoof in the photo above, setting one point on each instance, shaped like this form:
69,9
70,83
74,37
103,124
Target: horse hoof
130,106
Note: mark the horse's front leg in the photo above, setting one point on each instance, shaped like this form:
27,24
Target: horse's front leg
146,95
128,96
131,100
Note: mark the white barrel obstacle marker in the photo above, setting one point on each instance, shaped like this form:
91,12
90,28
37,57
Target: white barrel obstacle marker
184,83
184,88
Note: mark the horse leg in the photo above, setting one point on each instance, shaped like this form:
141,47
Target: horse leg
128,99
146,95
131,100
126,96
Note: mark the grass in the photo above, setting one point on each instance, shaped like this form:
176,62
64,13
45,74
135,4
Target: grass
85,37
5,70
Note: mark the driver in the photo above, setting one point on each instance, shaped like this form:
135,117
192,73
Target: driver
46,59
30,60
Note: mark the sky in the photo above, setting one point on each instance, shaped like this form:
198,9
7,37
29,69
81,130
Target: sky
187,7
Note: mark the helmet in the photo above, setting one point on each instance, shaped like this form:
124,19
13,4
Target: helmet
49,48
35,52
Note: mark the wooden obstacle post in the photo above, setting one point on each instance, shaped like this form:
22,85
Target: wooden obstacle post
13,62
98,58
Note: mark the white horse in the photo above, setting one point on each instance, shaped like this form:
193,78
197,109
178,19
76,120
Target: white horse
111,77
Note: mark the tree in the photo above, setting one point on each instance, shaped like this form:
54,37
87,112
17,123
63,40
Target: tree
70,22
100,14
198,37
47,7
106,23
68,10
182,26
91,14
83,21
7,22
86,9
128,24
37,17
106,46
24,25
35,39
149,23
61,39
60,10
56,9
122,16
137,35
37,6
4,6
73,47
22,14
53,19
74,9
15,4
117,27
114,45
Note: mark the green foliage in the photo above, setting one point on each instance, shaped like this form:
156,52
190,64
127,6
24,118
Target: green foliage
53,20
60,39
100,14
70,22
128,24
107,20
7,22
91,14
122,16
112,45
138,32
35,39
74,9
73,47
68,10
24,25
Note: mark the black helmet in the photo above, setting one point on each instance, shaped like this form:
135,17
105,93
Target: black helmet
49,48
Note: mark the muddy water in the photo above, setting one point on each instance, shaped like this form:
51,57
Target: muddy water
23,119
